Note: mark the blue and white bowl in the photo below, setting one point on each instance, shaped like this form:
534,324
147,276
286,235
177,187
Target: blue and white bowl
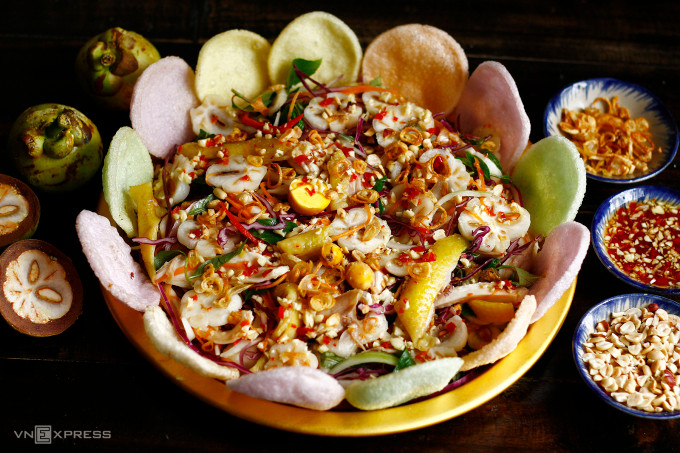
638,100
603,311
608,208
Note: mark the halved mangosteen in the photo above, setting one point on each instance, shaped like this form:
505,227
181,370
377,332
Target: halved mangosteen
19,210
40,290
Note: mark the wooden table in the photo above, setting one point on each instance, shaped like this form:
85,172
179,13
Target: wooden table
91,378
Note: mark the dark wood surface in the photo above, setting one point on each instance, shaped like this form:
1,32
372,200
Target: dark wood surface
91,378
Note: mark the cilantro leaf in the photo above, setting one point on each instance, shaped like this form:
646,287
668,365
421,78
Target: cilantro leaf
203,134
380,184
267,236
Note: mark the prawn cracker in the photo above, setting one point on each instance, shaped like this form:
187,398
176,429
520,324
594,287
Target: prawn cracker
424,63
551,177
491,99
161,100
233,60
313,36
111,260
558,262
162,335
300,386
506,341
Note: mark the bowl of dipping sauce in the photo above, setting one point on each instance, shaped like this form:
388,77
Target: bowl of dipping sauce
623,132
626,350
636,236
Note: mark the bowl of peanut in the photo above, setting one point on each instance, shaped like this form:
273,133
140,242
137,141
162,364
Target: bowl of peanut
627,350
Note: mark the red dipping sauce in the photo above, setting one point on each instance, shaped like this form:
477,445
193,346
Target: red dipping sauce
643,240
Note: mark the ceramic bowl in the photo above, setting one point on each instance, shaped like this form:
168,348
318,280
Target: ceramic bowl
608,208
638,100
603,311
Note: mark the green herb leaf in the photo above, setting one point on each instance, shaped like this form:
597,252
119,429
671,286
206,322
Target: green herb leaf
308,67
202,135
267,236
524,278
466,311
201,205
377,82
267,222
290,226
381,206
164,256
250,292
329,360
218,261
405,360
380,184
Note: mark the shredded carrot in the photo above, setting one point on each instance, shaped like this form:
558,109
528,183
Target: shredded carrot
355,229
481,185
275,282
292,105
267,195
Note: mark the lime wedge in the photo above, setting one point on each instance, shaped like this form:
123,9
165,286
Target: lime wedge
126,164
403,385
551,177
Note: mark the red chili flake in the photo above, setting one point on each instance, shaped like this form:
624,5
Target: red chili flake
381,116
132,275
310,191
418,249
422,356
214,119
267,272
353,177
326,339
192,174
433,130
301,159
428,257
303,331
404,258
245,178
244,323
250,270
326,102
450,327
411,192
282,312
213,141
367,179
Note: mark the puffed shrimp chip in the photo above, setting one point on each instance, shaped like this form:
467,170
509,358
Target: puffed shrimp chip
110,259
163,336
234,59
506,341
558,263
425,63
491,97
312,36
297,385
161,100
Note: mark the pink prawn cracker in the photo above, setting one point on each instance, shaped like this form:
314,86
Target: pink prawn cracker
161,100
110,259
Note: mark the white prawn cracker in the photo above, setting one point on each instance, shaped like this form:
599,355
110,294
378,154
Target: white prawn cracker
300,386
312,36
164,338
558,262
233,60
506,341
404,385
110,259
161,100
